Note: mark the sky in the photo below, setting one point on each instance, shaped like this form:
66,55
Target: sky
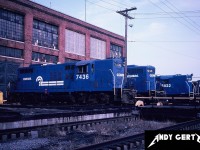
164,33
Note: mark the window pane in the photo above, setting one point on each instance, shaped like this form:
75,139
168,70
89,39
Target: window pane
74,42
97,48
11,52
115,51
45,34
11,25
44,57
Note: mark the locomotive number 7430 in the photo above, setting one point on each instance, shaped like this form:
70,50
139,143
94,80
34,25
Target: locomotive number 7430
82,76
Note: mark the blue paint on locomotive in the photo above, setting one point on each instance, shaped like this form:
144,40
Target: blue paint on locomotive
85,76
141,78
197,87
46,78
98,75
174,84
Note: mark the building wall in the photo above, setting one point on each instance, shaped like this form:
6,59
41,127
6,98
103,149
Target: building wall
32,11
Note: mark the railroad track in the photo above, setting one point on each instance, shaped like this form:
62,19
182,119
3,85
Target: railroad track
135,141
19,133
11,113
70,107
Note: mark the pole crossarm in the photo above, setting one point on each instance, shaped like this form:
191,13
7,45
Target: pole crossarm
126,10
125,15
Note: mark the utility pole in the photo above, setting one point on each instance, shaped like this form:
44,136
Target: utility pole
85,9
125,14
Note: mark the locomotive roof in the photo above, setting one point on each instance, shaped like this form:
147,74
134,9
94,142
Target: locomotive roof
85,62
136,66
176,75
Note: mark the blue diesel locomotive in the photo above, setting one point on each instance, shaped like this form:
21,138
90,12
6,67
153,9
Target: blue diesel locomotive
99,81
175,85
144,81
149,87
141,79
88,81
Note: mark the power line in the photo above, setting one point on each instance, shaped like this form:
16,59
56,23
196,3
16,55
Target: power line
166,13
166,41
163,17
125,4
180,14
102,6
183,14
174,18
172,51
110,3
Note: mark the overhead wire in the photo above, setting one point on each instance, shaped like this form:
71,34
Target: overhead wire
180,15
166,41
163,17
166,13
183,13
174,18
172,51
125,4
102,6
110,3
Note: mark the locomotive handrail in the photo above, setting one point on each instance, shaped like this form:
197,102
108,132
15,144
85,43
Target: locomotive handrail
194,89
188,87
122,85
113,79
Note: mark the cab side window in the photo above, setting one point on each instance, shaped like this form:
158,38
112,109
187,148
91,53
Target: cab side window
83,69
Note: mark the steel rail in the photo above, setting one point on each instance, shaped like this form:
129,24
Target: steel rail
137,140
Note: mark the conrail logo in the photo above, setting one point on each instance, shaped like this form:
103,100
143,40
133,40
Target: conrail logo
170,139
39,79
48,83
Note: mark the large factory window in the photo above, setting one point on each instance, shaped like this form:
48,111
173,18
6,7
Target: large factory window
45,34
115,51
97,48
39,57
11,52
71,60
74,42
11,25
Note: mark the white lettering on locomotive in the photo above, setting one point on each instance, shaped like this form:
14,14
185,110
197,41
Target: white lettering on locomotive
166,85
27,79
120,74
133,76
152,75
149,70
82,76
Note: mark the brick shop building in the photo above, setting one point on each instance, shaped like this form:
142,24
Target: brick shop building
31,33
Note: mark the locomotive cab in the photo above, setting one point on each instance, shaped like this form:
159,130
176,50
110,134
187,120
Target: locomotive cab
100,79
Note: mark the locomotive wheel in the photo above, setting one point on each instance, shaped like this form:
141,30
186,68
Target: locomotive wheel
104,98
125,98
72,99
92,98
